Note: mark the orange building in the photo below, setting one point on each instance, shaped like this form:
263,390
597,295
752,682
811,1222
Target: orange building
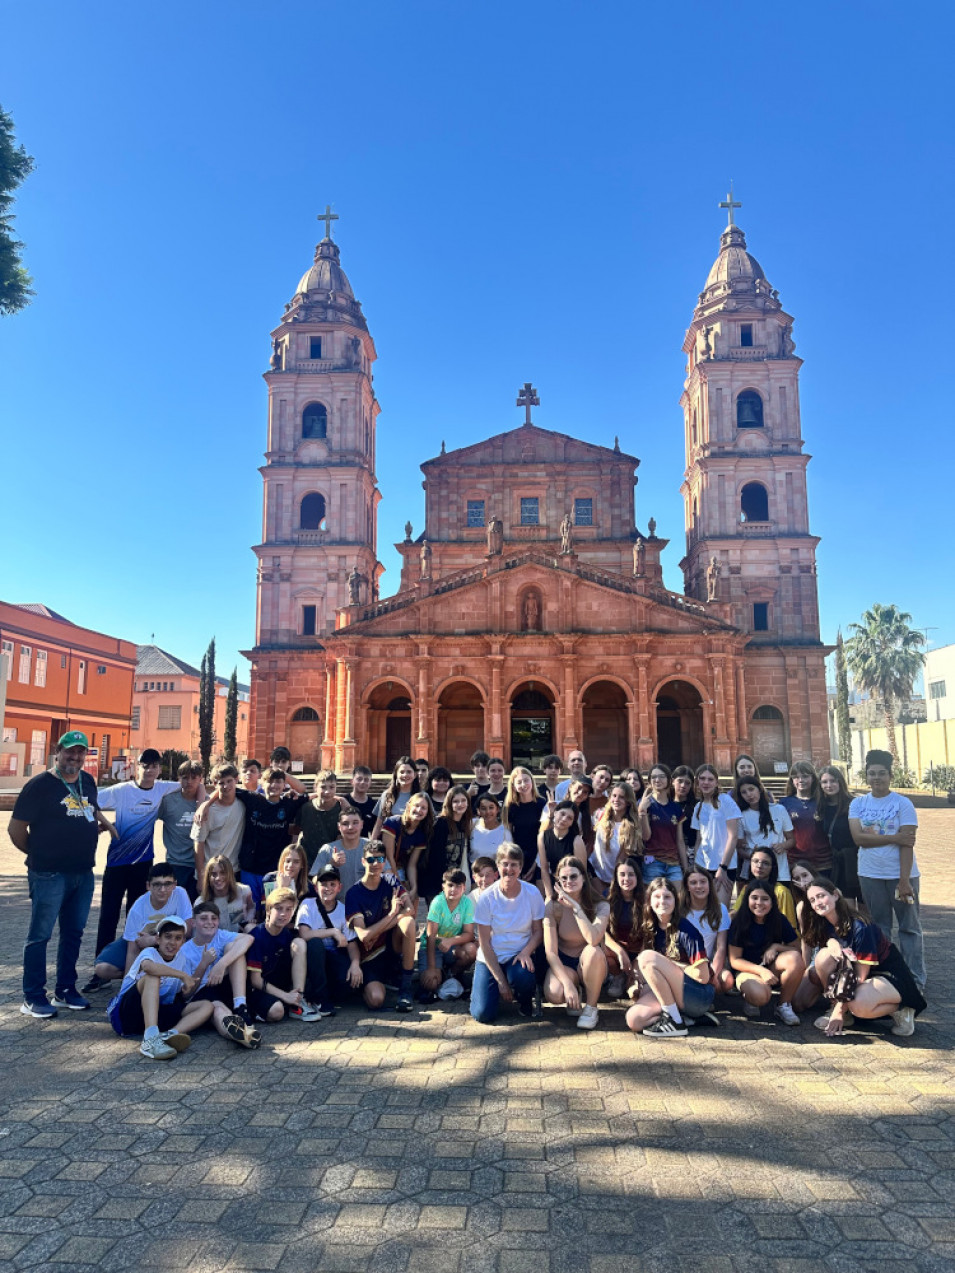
166,706
58,676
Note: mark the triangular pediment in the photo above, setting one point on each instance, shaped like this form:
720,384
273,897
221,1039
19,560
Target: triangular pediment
526,444
572,598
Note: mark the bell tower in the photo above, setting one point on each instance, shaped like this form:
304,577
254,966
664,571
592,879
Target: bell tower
744,488
320,497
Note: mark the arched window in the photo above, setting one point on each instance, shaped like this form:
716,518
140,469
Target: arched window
312,512
753,503
305,713
314,421
767,713
749,410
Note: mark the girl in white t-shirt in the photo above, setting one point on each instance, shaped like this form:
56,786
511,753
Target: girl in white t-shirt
762,826
716,818
488,833
706,912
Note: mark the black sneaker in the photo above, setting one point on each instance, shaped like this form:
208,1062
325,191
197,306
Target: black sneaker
404,1003
243,1011
95,983
705,1018
666,1028
532,1008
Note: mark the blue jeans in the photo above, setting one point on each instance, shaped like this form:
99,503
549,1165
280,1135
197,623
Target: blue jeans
671,871
486,994
255,883
55,896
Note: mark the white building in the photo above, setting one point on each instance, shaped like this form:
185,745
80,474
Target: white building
940,683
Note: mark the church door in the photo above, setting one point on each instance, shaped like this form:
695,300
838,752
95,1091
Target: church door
532,729
397,739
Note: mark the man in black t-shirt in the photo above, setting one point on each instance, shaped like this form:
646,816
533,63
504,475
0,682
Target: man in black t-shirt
55,824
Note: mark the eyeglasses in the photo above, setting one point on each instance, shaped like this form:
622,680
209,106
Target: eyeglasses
567,879
378,857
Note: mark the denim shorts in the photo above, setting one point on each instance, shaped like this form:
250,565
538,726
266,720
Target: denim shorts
697,999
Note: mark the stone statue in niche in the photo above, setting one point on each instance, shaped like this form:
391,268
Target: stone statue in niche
531,613
713,572
408,530
354,587
707,350
566,535
787,342
495,537
640,557
425,559
355,351
275,362
652,527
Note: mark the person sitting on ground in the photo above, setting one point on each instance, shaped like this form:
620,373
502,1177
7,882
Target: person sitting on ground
217,959
488,832
382,916
623,939
234,901
152,999
885,985
164,897
764,953
484,874
346,853
277,964
333,953
763,865
673,986
292,872
510,962
448,947
405,837
700,904
558,838
575,922
177,811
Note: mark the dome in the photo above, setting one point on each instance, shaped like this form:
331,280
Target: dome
733,262
326,275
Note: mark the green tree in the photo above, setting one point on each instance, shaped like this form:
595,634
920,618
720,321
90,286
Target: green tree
15,166
231,717
885,656
843,728
207,705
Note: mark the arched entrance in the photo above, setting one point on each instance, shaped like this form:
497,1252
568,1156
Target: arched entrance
604,725
532,725
680,724
305,739
768,731
460,725
389,725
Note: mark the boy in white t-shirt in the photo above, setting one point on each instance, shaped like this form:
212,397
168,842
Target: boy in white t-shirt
448,947
152,997
163,897
510,923
884,825
333,955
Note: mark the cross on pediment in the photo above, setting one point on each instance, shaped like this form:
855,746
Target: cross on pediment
729,204
528,398
328,217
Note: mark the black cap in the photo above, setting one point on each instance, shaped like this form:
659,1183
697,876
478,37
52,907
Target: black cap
150,757
329,872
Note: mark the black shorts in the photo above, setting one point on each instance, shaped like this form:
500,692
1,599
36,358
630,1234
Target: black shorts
127,1017
222,993
261,1002
896,972
385,968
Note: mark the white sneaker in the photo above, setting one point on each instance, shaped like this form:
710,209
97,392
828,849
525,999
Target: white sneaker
573,1012
822,1023
617,986
904,1019
157,1049
451,989
588,1017
786,1014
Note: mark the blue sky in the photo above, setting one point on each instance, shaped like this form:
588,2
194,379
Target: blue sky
526,192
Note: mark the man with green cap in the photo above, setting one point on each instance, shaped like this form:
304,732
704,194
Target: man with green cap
56,823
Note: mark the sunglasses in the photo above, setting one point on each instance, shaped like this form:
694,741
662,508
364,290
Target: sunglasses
378,857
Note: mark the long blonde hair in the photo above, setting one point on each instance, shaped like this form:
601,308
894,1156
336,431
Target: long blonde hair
512,796
628,835
207,893
301,878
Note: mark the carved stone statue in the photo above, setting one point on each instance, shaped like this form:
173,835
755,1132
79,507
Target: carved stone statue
531,613
713,572
567,535
425,559
354,587
787,343
355,351
640,557
495,537
707,350
408,530
652,527
275,362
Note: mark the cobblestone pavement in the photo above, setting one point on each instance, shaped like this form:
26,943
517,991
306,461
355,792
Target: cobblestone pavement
431,1143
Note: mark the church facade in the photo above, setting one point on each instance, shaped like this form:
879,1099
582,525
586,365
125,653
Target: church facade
531,614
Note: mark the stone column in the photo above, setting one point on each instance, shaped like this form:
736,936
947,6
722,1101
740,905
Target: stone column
328,742
494,714
569,738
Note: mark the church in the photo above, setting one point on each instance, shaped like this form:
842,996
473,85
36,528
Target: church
531,615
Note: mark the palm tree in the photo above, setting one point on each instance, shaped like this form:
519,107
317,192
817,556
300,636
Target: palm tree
885,656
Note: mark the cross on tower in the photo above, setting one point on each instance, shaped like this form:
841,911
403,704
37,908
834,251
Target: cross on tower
528,398
729,204
328,217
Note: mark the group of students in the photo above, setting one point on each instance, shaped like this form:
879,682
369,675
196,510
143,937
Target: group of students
581,889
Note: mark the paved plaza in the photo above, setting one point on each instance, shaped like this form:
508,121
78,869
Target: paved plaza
428,1142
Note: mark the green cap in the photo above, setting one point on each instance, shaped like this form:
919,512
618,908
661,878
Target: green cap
73,738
